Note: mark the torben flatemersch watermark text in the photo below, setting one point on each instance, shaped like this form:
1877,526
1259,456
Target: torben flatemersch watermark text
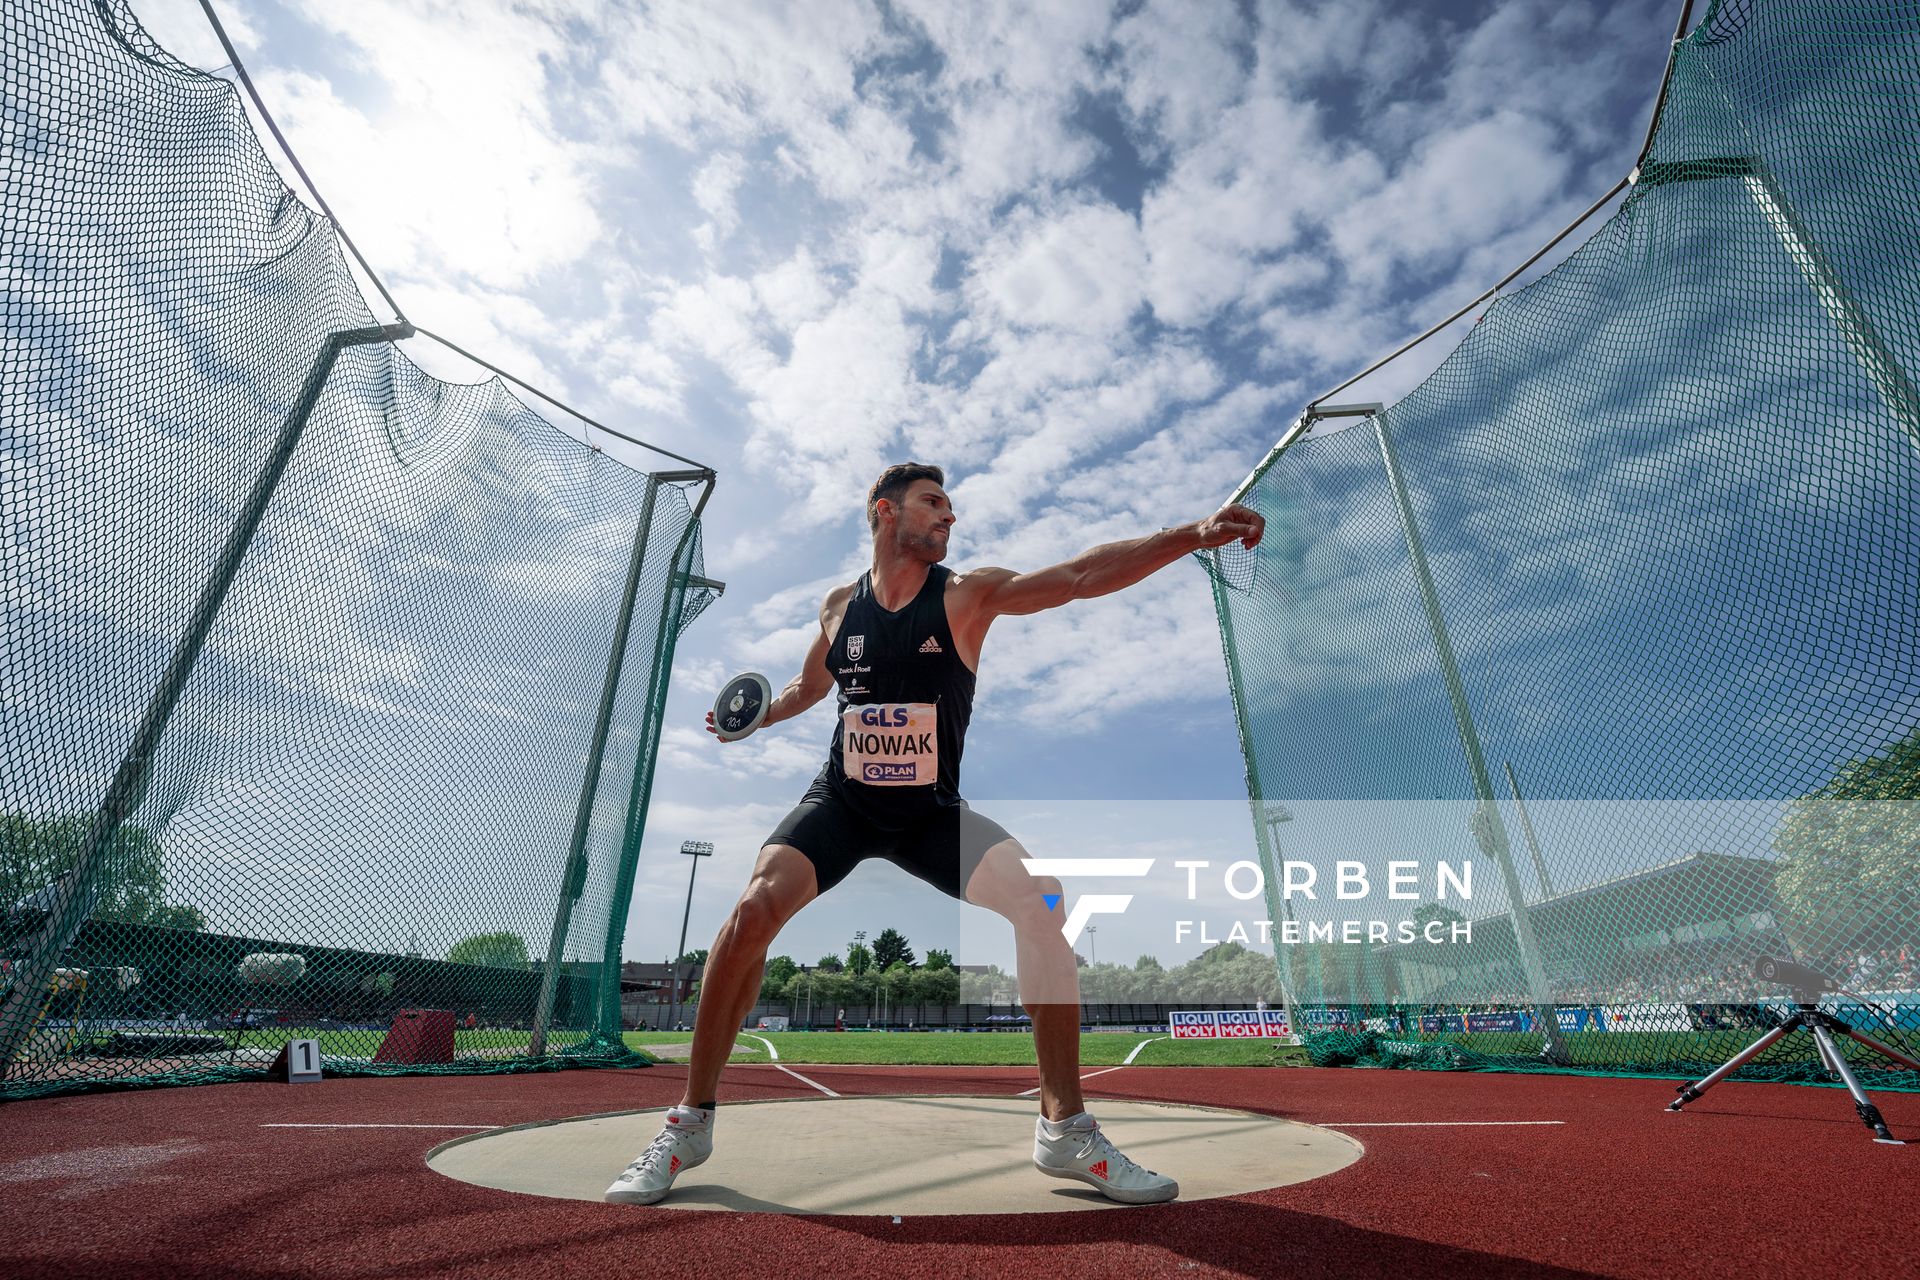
1245,881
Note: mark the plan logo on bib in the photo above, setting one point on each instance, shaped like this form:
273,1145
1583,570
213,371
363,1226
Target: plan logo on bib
1092,904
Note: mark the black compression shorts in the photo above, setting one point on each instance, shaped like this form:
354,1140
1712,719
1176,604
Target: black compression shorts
943,850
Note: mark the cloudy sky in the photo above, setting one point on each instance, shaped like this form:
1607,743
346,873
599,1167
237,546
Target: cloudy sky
1090,258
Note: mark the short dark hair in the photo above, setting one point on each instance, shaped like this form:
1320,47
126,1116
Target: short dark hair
894,482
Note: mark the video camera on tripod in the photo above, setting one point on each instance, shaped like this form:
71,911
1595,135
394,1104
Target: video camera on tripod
1803,980
1808,984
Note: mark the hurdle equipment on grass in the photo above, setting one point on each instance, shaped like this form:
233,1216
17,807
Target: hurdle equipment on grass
417,1036
310,655
1646,543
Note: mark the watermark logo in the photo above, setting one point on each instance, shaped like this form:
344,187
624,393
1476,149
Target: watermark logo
1093,904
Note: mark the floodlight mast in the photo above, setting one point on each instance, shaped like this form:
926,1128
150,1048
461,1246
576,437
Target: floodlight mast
695,849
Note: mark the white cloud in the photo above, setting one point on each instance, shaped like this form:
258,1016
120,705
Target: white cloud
794,292
1239,196
713,190
462,168
181,28
690,71
1518,163
1071,423
1180,67
1077,268
1073,668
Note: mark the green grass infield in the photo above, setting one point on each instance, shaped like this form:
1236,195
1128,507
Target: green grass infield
985,1048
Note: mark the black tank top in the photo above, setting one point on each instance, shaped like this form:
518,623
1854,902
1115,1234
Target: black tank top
905,699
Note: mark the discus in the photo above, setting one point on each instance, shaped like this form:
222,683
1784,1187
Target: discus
741,706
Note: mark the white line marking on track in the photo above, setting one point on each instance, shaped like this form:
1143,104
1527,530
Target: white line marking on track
803,1080
1422,1124
775,1056
379,1126
1090,1075
1137,1048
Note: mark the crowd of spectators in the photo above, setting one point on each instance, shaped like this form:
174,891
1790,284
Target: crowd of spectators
1690,973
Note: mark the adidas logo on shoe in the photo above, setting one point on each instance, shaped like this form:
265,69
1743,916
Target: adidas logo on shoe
931,646
1081,1152
675,1167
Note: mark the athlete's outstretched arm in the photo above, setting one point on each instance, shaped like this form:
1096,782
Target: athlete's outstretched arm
1115,566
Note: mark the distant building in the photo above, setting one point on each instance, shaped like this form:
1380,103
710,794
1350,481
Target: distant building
652,983
1715,907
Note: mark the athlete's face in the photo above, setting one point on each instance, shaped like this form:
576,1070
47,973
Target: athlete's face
925,522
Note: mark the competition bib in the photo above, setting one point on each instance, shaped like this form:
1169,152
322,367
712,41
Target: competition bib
891,744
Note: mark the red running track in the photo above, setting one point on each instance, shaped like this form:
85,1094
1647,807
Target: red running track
1753,1180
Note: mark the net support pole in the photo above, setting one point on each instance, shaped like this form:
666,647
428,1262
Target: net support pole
1496,842
73,898
1262,838
1863,341
666,634
1278,905
573,879
1526,827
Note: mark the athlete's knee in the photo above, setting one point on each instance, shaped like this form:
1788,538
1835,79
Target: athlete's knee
757,917
1038,909
1045,887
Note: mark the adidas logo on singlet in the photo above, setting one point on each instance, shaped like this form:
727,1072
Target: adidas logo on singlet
931,646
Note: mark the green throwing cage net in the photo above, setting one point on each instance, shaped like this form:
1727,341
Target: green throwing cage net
1621,605
330,690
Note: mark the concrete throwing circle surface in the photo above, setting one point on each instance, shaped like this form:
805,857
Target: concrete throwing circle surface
918,1156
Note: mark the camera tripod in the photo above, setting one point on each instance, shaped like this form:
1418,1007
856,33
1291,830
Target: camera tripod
1822,1027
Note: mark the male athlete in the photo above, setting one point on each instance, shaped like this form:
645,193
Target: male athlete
901,647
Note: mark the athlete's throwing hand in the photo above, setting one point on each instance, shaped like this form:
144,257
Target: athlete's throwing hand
1233,523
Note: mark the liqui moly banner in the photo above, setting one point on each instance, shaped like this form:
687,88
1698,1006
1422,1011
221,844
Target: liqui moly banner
1228,1024
1193,1026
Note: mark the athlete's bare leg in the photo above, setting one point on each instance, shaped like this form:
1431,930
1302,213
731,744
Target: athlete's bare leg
1049,974
782,883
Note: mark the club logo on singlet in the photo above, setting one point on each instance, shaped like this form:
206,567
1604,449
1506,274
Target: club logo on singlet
856,645
891,744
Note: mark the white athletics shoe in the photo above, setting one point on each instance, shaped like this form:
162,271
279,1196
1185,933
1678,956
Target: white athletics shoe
685,1140
1083,1153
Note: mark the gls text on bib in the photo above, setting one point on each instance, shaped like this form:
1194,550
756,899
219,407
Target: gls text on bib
891,744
